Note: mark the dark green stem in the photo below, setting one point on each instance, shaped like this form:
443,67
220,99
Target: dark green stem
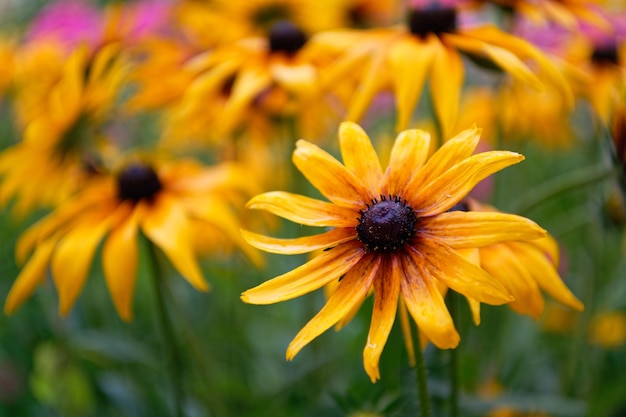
174,363
453,307
420,377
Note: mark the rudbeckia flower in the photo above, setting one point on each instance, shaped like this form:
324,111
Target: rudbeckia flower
428,47
169,203
62,114
390,231
524,268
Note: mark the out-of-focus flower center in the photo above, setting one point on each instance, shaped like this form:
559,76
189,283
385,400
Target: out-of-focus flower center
386,225
605,54
137,182
286,37
432,19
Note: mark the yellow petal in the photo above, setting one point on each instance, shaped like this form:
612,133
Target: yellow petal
329,176
371,83
309,277
386,292
247,86
476,229
119,262
304,210
302,244
410,60
352,290
449,188
446,84
457,273
451,153
546,275
30,276
472,255
408,155
359,156
426,305
72,258
165,223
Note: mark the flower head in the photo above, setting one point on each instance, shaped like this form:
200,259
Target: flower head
167,202
390,230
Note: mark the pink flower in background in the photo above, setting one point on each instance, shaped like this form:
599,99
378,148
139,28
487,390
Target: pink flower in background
145,17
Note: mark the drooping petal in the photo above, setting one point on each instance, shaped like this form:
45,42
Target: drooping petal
410,60
329,176
304,210
371,83
359,156
545,274
451,153
426,304
386,292
476,229
443,192
405,324
504,265
472,255
31,275
248,85
72,258
302,244
446,84
309,277
166,224
408,155
119,262
456,272
352,290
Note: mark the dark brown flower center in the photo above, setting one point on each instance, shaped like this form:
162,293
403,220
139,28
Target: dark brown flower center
386,225
137,182
286,37
432,19
606,54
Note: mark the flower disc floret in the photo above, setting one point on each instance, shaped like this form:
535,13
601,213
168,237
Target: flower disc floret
433,19
286,37
386,225
137,182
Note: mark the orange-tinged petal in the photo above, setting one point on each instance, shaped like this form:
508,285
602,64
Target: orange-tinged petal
329,176
386,293
374,80
476,229
72,258
119,262
451,153
166,224
304,210
426,304
410,61
248,85
351,291
456,272
309,277
408,155
449,188
359,156
405,324
302,244
546,275
504,265
30,276
446,84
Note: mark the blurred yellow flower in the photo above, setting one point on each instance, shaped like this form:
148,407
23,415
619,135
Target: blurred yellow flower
169,204
390,231
608,329
429,47
7,57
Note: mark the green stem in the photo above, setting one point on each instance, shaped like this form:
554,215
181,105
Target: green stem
453,307
420,377
174,363
569,181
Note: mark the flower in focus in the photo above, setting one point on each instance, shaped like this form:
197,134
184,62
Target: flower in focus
524,268
63,114
390,231
169,203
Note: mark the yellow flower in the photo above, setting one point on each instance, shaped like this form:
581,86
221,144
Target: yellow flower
608,329
390,231
169,204
402,58
62,113
7,57
524,268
